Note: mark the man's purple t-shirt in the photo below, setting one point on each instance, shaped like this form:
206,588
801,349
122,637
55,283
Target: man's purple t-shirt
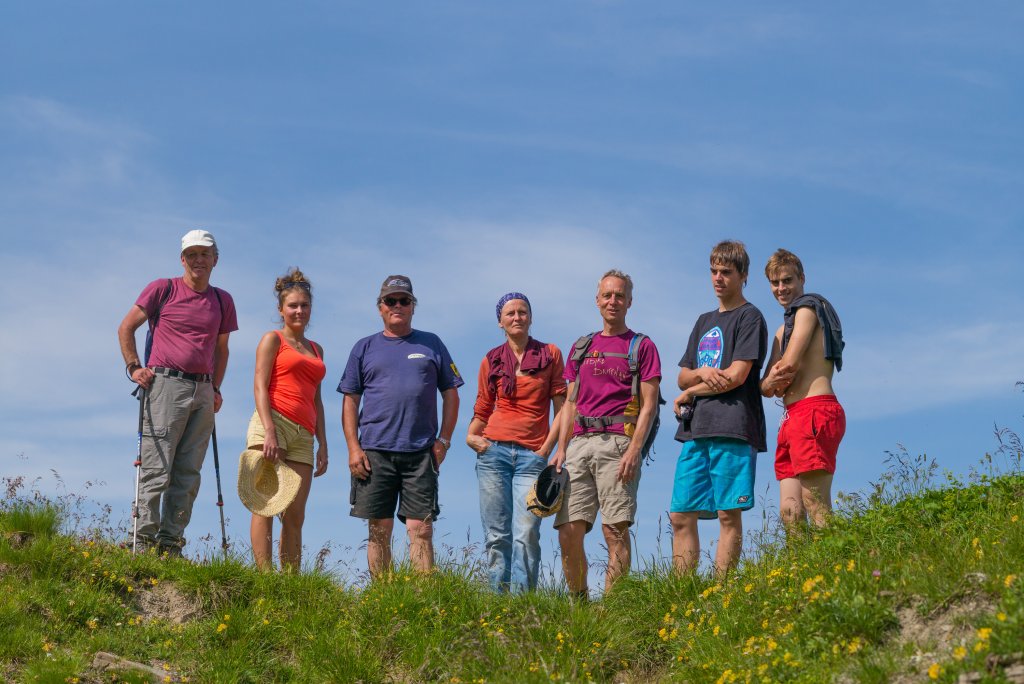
606,385
188,326
399,378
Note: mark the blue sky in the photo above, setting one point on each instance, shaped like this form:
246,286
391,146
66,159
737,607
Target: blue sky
484,147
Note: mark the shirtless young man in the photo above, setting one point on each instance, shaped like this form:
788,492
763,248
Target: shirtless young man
807,348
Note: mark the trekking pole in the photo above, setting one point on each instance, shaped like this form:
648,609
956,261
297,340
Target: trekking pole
220,497
141,395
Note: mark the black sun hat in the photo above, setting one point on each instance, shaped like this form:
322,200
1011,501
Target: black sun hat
545,497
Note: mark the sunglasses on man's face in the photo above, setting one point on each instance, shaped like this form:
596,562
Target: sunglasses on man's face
393,301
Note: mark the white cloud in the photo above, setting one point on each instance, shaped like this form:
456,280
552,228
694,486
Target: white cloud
894,372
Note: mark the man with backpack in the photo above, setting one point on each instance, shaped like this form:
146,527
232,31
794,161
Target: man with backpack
722,425
180,378
610,413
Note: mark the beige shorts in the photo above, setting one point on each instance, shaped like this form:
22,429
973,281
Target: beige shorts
593,462
292,437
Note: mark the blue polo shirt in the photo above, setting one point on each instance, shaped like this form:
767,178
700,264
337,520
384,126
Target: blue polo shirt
399,379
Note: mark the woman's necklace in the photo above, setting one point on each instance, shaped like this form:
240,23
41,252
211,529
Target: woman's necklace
297,345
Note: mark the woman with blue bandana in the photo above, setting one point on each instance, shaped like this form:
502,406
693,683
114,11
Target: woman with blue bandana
520,382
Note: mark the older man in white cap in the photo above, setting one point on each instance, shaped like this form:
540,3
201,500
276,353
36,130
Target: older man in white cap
186,356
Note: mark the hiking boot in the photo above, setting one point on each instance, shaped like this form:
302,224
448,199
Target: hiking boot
144,546
169,551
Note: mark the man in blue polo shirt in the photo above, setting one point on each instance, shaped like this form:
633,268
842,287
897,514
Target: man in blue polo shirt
394,446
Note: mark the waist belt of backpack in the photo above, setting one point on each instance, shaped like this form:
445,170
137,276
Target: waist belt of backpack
602,423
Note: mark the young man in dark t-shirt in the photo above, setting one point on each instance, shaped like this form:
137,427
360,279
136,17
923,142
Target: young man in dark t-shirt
722,425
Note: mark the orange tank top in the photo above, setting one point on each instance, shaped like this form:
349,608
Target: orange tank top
293,384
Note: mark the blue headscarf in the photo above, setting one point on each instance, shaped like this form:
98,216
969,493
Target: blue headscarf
505,299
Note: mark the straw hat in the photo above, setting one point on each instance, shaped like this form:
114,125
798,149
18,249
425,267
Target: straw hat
265,488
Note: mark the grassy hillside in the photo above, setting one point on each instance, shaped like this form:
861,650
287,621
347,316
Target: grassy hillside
910,584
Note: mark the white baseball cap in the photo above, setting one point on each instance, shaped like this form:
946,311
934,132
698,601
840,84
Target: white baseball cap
198,238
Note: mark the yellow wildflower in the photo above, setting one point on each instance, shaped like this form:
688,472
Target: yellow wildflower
959,653
1010,579
1001,616
221,627
934,671
809,584
91,623
850,565
984,633
749,588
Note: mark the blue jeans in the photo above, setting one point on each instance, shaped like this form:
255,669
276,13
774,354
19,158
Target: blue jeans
506,472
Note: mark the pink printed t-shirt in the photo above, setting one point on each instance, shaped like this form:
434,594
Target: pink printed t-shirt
186,332
525,417
606,385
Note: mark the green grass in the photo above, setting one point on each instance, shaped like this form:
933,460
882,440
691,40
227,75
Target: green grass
824,607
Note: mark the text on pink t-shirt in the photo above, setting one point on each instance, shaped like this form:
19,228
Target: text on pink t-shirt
605,385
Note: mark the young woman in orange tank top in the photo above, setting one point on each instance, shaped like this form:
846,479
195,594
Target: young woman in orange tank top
289,412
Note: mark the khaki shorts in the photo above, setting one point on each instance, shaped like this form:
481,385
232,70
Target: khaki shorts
292,437
593,462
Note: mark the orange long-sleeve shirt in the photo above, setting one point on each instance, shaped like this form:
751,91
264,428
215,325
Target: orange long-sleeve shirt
526,417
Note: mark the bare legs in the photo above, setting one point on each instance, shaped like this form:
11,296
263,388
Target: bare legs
574,557
730,541
261,529
294,517
807,496
616,537
421,545
378,546
686,542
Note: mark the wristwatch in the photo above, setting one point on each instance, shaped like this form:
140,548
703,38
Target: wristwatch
447,443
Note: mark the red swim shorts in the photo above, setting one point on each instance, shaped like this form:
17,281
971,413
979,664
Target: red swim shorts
809,436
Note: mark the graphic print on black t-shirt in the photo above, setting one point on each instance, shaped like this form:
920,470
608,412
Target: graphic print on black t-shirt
709,349
718,340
